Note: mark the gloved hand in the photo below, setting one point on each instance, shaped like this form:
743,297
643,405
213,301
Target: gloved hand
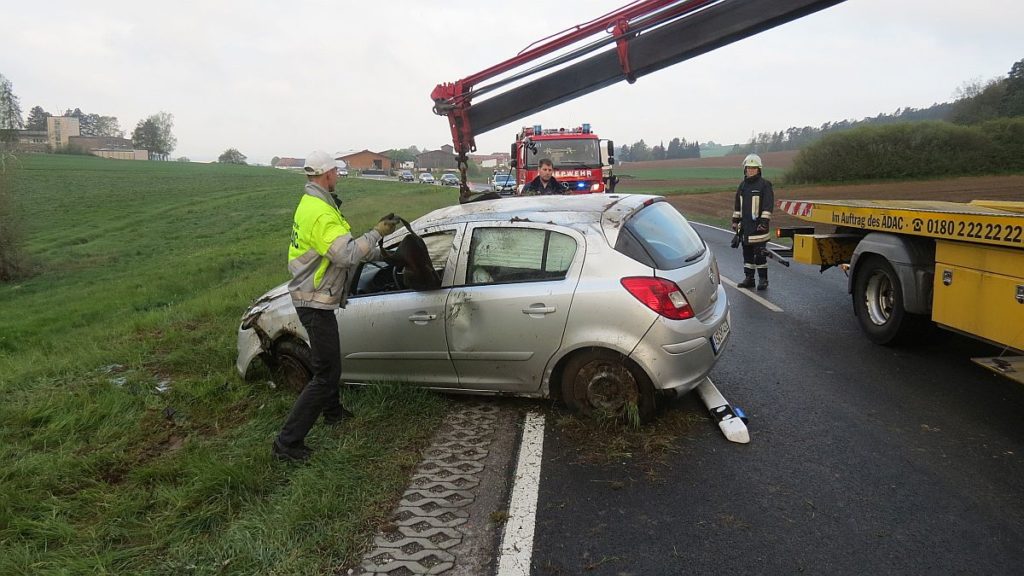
762,225
387,225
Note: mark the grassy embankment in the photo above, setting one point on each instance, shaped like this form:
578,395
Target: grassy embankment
142,272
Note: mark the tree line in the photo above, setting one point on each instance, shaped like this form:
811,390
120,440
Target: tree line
976,102
639,151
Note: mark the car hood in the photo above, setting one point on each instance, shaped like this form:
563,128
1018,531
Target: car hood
272,294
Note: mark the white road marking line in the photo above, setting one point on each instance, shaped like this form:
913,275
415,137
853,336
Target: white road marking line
752,296
517,543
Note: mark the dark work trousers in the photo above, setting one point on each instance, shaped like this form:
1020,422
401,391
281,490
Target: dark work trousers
321,394
754,259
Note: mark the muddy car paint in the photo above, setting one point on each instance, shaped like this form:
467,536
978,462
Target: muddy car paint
482,332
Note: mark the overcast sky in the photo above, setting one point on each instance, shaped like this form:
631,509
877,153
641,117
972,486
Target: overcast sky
284,78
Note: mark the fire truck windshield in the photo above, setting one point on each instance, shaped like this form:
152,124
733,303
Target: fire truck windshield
580,152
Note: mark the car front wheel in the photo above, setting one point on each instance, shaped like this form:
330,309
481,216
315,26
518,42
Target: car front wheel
601,382
293,361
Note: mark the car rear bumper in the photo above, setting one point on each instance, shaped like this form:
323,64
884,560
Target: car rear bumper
678,354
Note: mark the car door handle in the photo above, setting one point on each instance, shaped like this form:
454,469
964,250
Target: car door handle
422,317
539,310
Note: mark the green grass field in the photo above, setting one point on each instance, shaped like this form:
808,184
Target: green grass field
141,272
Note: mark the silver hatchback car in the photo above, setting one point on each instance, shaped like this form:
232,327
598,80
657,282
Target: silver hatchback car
604,301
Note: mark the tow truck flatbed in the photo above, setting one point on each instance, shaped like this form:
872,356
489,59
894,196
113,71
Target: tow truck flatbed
959,265
982,222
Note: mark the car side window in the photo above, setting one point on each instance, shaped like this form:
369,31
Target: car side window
502,255
377,276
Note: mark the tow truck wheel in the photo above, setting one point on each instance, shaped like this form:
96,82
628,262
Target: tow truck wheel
601,382
294,363
878,301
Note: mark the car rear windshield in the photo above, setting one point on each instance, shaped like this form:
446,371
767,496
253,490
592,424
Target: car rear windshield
659,236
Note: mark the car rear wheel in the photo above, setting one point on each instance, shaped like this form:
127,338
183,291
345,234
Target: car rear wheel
601,382
294,362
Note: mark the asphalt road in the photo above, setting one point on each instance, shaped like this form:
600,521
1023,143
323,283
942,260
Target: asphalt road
863,459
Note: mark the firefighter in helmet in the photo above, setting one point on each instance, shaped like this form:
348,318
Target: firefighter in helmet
751,220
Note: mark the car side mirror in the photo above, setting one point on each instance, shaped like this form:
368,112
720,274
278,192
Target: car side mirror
608,154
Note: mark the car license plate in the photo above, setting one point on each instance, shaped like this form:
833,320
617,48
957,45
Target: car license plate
721,333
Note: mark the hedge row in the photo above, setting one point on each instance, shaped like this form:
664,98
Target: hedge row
913,150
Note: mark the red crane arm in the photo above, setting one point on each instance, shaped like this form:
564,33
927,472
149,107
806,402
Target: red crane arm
453,99
648,35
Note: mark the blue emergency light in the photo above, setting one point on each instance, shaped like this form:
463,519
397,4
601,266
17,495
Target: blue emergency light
586,128
536,129
581,184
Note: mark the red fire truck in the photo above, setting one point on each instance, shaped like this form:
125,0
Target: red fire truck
582,161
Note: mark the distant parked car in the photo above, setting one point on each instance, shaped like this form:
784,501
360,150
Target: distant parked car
504,183
449,180
342,172
426,178
406,176
606,301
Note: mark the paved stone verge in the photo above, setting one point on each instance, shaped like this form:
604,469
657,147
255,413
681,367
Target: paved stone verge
449,518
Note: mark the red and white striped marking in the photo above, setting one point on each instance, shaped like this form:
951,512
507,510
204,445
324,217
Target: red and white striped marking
796,208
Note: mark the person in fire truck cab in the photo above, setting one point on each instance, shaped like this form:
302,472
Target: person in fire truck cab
751,220
545,182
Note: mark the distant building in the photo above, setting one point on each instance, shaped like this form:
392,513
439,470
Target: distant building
59,129
495,160
120,153
367,161
290,163
31,141
89,143
437,159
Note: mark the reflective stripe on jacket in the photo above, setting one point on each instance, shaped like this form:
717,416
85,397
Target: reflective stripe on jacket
754,201
322,253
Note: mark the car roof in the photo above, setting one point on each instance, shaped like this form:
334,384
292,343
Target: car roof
575,211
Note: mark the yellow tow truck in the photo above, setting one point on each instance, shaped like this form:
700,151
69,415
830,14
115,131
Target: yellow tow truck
959,265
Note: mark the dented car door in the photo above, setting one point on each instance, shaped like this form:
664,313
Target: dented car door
506,319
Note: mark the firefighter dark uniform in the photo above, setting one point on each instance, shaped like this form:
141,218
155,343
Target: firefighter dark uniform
540,188
751,219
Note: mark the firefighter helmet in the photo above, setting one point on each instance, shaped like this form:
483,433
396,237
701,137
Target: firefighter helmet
752,161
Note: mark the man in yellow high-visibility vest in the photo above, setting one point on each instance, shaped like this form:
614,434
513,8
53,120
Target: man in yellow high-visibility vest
321,257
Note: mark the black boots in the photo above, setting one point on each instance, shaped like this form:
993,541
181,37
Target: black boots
748,282
300,453
336,419
762,279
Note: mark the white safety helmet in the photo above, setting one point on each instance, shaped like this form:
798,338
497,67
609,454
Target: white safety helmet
318,162
752,161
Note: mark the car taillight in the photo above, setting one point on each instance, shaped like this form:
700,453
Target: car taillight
661,295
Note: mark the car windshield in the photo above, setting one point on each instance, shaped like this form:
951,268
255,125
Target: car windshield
504,179
575,152
664,236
